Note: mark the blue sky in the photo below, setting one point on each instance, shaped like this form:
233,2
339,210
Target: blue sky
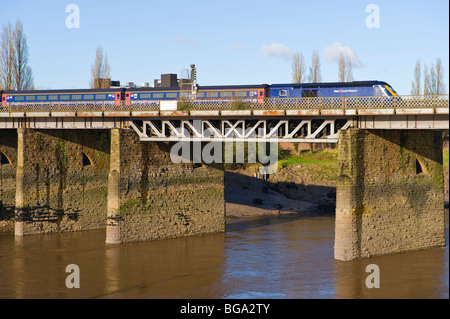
230,42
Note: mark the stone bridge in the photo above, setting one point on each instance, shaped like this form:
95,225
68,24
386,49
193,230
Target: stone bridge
73,168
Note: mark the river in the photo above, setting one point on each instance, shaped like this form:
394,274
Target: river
281,257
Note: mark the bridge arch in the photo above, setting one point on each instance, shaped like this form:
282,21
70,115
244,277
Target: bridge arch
5,159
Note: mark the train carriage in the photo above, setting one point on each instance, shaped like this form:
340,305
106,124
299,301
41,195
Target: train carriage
62,97
332,89
152,96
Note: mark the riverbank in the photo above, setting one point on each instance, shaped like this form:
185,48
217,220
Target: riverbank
303,184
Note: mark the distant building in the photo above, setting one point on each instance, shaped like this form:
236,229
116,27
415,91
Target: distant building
170,80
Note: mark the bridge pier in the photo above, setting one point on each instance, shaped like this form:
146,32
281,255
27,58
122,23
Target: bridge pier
389,193
19,204
72,180
60,179
150,197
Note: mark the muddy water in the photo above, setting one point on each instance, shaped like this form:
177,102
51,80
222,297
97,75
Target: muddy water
276,257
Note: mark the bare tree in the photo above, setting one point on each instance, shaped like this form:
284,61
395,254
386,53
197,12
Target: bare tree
298,68
426,81
23,76
434,79
15,73
314,70
437,78
6,58
416,83
100,71
345,69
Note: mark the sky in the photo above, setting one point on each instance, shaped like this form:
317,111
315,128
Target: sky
230,42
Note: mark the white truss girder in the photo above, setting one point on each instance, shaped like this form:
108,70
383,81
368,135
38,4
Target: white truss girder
240,130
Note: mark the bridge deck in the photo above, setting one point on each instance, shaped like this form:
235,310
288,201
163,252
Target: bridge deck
305,119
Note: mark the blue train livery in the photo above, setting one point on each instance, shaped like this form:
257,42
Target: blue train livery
251,93
65,97
332,89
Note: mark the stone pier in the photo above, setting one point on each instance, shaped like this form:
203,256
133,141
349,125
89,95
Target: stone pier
150,197
390,195
74,180
60,182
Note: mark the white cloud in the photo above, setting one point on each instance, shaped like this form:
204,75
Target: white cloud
277,50
334,51
185,40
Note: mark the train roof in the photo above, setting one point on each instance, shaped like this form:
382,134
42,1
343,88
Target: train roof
131,89
225,87
330,84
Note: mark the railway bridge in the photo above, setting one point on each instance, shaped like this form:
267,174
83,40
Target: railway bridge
81,166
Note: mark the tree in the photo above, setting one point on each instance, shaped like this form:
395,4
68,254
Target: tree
23,76
6,58
15,73
298,68
100,71
345,69
437,78
426,81
434,79
314,70
416,83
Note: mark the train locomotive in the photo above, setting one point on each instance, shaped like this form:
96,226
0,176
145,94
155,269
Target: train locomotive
152,96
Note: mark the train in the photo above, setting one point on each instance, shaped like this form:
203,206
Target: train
153,95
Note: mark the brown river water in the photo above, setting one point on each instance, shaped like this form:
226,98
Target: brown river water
283,257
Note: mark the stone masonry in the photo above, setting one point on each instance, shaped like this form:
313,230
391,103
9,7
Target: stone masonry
152,198
70,180
389,193
8,157
61,179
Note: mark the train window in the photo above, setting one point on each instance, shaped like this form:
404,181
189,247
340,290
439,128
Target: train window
241,94
145,96
201,94
76,97
261,93
64,97
171,95
53,97
42,97
30,98
18,98
88,96
377,91
128,94
158,95
282,93
117,96
227,94
213,94
310,93
100,96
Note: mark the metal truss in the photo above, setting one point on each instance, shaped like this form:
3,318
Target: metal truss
240,130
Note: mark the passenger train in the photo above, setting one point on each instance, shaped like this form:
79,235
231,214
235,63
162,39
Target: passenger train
130,96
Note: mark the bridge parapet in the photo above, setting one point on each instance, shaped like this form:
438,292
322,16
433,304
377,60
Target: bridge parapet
438,103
